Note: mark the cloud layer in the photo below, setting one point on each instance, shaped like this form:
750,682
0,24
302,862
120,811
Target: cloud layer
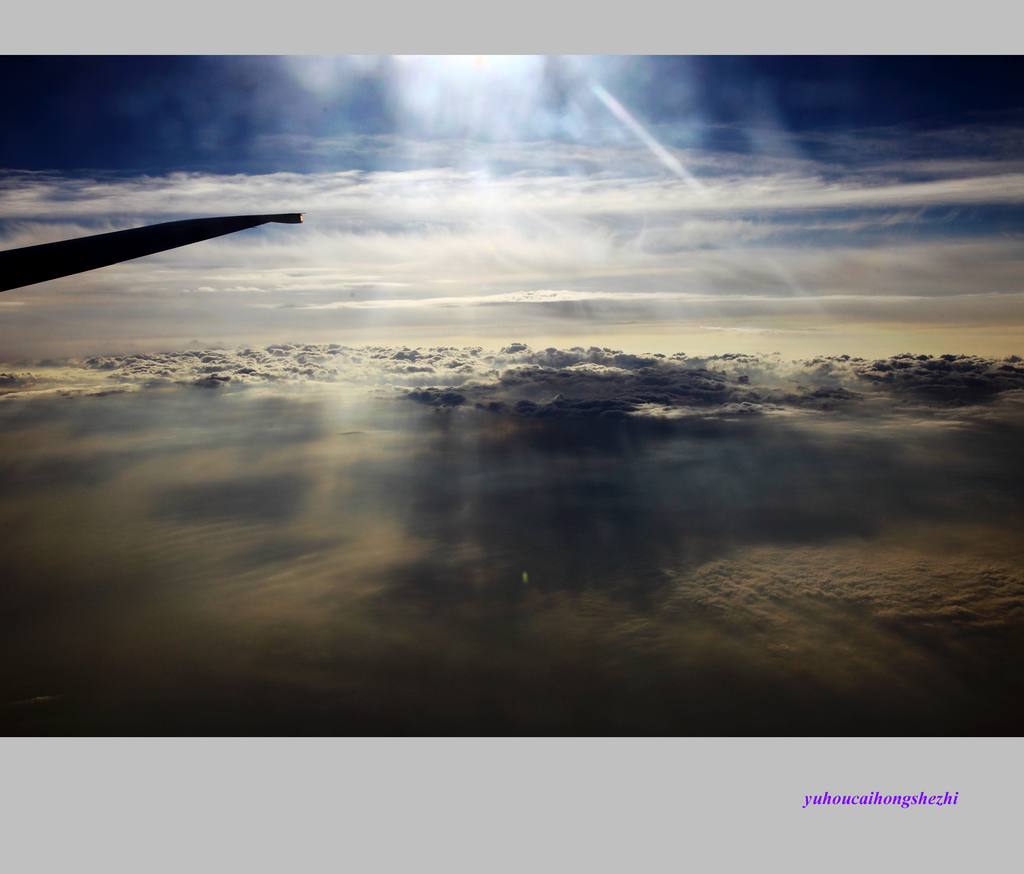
309,538
559,383
546,233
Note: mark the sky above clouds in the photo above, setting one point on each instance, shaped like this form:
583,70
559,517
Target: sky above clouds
864,206
613,395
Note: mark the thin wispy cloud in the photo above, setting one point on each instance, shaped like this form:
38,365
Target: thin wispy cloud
382,241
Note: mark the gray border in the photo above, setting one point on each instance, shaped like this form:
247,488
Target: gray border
505,805
530,26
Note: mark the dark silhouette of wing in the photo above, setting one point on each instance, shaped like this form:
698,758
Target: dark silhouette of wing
33,264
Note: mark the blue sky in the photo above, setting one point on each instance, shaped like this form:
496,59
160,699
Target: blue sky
805,205
227,114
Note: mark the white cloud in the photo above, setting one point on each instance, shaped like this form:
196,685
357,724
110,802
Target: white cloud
773,239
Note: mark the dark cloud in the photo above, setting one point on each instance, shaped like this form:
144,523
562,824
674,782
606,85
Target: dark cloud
595,501
948,377
574,540
637,383
567,383
261,499
894,581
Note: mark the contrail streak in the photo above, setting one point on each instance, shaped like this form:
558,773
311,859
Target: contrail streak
663,154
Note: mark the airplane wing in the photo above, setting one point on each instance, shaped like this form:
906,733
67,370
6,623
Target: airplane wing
33,264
